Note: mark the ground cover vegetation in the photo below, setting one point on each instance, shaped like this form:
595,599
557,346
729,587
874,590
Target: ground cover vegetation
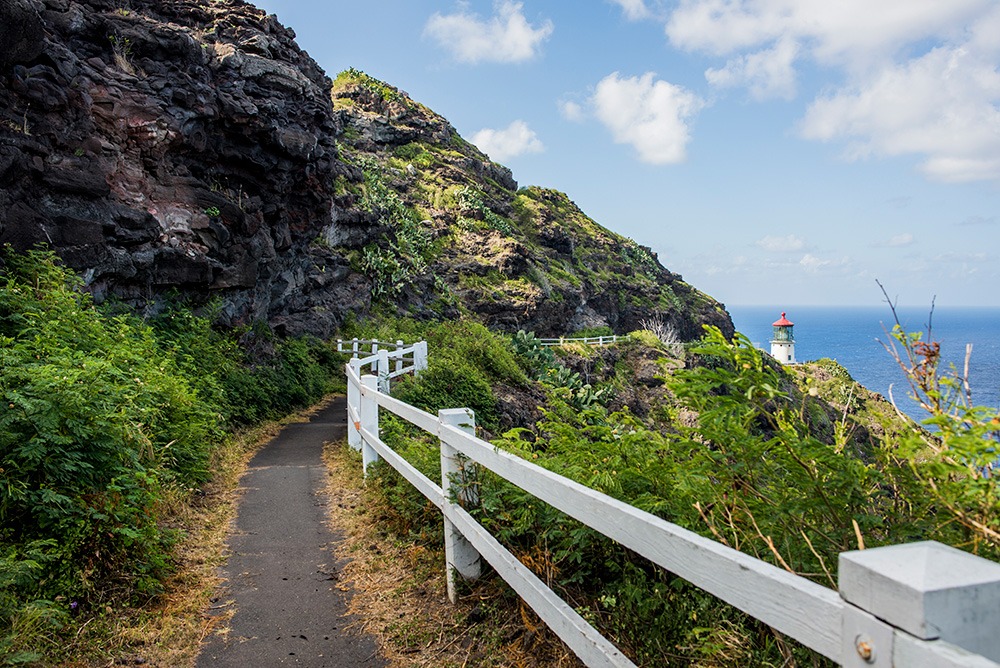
790,465
109,421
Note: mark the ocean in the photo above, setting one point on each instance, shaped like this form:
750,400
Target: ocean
852,335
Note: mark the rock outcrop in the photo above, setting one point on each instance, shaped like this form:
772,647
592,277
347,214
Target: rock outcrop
175,147
517,258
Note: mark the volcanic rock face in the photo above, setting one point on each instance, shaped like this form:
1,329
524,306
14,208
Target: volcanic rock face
166,147
173,144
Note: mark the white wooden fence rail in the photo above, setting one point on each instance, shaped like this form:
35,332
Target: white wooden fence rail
597,341
918,604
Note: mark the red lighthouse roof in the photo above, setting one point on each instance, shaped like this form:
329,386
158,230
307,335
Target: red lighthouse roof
783,322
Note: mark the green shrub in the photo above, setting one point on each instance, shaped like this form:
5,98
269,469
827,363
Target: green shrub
97,419
103,414
447,386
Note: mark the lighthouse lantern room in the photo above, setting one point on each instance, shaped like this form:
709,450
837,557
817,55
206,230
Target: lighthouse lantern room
783,343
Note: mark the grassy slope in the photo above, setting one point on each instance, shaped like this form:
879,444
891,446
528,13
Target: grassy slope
515,258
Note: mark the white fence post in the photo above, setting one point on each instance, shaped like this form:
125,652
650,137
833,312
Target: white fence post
354,401
399,359
354,347
459,554
382,370
369,418
927,590
419,357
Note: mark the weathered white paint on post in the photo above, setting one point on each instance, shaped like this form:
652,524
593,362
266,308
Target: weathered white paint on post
399,358
382,369
459,554
865,640
354,347
353,404
369,418
929,590
419,357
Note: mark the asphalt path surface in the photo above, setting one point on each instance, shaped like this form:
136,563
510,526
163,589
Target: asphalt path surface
282,575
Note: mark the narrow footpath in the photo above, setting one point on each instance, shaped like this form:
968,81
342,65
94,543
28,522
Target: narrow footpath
282,575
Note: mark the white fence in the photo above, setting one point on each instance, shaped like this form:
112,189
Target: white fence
387,360
596,341
918,604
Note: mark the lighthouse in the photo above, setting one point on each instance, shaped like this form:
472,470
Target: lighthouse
783,343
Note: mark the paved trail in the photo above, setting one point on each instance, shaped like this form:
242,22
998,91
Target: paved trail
282,574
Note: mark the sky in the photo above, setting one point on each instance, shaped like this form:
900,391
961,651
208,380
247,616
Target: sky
772,152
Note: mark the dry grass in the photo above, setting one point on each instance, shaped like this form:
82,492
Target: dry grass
398,591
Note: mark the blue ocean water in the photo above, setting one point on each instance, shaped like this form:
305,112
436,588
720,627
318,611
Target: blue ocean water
852,335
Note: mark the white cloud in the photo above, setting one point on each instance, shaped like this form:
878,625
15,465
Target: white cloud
572,111
979,220
843,31
650,114
514,140
506,37
810,262
789,244
813,264
920,77
942,105
634,10
766,73
905,239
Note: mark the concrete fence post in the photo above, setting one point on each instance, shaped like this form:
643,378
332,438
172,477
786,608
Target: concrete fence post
927,590
369,418
419,357
459,554
354,401
354,347
399,356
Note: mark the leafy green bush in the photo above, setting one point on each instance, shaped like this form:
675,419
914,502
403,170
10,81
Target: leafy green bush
247,375
468,361
103,414
97,419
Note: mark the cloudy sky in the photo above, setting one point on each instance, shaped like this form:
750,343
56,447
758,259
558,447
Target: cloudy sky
773,152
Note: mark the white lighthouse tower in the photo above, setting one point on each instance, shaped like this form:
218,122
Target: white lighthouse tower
783,343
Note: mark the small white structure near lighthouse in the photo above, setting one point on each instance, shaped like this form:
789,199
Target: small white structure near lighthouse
783,342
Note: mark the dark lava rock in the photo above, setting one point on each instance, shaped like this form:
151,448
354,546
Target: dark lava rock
173,144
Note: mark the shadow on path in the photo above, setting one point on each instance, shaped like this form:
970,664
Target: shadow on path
282,573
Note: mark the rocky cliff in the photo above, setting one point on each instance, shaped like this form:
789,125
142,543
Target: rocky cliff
178,146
